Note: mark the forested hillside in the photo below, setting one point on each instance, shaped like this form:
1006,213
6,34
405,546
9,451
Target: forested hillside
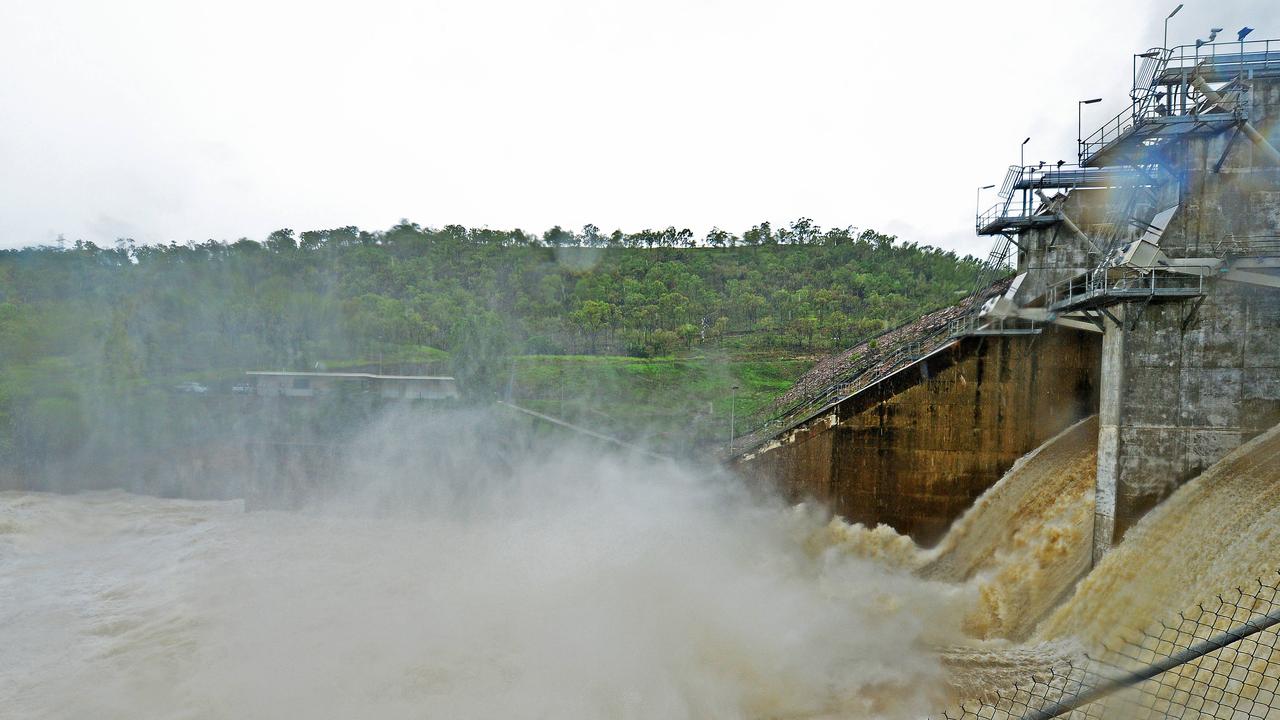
504,311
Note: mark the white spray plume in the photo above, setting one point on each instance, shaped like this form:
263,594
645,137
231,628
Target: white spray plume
568,585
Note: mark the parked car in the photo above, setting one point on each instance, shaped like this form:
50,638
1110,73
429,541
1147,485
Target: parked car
242,389
191,387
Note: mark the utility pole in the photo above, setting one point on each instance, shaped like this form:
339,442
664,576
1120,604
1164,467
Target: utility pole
733,407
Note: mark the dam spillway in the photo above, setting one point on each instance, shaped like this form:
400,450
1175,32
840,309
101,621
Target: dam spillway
1145,287
1056,497
914,449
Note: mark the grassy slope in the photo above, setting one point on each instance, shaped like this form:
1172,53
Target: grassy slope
675,403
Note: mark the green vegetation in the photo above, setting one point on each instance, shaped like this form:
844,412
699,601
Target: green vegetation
646,332
671,402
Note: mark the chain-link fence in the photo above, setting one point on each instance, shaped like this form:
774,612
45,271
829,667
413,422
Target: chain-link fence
1220,659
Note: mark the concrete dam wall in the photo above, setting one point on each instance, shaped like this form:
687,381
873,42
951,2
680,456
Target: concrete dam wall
1144,285
916,448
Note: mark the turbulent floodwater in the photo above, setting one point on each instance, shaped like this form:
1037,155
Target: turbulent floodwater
1017,551
449,580
1219,531
576,588
1026,542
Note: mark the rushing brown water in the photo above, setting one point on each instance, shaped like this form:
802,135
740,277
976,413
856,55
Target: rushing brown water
580,589
1217,532
1169,584
1017,551
583,587
1021,549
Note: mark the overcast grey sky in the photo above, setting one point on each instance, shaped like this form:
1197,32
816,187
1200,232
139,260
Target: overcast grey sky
173,120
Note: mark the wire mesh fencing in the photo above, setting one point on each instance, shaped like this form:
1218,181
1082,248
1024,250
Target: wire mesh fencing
1219,659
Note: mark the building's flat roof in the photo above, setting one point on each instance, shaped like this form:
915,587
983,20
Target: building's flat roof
369,376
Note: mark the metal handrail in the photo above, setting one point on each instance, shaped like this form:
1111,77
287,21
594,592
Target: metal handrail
1154,61
1176,65
1144,103
1250,57
1247,246
798,413
1130,284
1007,207
964,324
1033,177
1001,211
1011,177
1117,126
1074,176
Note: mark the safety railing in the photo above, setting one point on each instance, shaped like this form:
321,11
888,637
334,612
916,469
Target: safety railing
1145,73
1219,659
1011,178
1247,246
1075,176
978,325
1220,61
880,366
1007,207
1128,119
876,367
1145,105
1104,285
1002,213
1173,70
965,325
1016,201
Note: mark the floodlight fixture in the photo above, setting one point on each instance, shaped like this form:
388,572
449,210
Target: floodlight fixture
1080,123
1165,44
977,200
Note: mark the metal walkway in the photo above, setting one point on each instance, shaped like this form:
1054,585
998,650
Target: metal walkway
1172,99
1220,62
1093,290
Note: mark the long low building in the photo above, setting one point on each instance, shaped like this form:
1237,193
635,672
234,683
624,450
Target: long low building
388,387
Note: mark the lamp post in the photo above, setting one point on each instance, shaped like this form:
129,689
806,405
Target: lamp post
977,200
1022,168
1165,44
1080,126
733,407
